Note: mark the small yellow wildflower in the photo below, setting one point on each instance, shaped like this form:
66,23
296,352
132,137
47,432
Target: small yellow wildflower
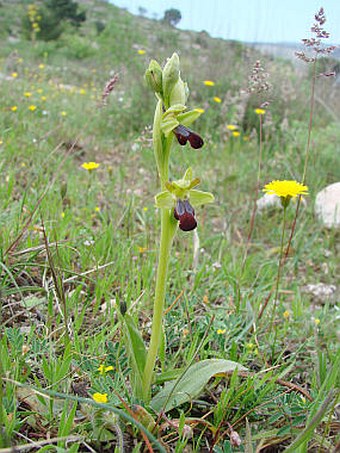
27,94
63,113
286,314
260,111
285,189
236,133
14,108
41,66
209,83
104,369
62,215
89,166
100,397
217,99
199,110
141,51
317,321
231,127
145,209
43,98
142,249
221,331
82,91
14,75
32,108
23,164
97,209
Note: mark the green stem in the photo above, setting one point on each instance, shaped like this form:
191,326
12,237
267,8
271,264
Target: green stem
168,229
278,278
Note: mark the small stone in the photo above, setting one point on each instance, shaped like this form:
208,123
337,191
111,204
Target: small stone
269,200
321,292
327,205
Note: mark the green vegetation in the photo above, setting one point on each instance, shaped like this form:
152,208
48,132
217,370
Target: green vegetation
78,246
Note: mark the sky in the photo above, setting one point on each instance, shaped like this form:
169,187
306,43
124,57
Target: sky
246,20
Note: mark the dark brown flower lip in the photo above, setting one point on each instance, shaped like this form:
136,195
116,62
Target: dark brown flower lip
185,213
184,134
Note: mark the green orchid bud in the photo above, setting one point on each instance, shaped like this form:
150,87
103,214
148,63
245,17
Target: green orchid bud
153,76
170,77
178,93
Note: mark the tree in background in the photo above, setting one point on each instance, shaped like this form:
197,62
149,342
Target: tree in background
66,10
172,16
47,22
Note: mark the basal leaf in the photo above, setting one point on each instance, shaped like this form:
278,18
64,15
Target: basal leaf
191,383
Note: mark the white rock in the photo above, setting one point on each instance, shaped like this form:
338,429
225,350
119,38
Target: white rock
327,205
321,292
269,200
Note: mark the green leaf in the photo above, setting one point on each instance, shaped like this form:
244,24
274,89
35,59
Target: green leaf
198,198
164,200
136,351
191,383
168,124
187,118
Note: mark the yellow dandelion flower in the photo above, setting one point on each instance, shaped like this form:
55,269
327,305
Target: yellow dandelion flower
27,94
14,75
221,331
260,111
145,209
32,108
231,127
236,133
199,110
217,99
41,66
104,369
89,166
209,83
285,189
100,397
97,209
141,52
14,108
286,314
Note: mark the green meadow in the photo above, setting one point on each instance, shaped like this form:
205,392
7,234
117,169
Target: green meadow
79,246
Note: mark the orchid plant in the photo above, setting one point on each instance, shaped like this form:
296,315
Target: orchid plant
177,201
